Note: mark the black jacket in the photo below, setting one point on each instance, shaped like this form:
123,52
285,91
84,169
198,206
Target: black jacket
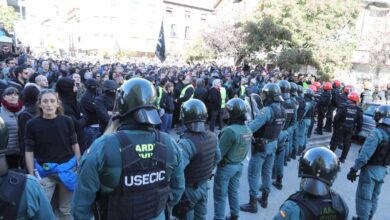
201,94
214,99
167,103
104,103
88,107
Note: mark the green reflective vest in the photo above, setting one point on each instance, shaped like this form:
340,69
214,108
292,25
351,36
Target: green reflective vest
223,96
183,91
243,88
160,92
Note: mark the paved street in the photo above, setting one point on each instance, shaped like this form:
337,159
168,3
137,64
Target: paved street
291,184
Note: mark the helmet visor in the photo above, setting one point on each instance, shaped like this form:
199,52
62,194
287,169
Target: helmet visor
196,126
147,116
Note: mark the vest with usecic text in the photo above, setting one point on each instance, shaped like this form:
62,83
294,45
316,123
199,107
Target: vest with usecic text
143,190
202,164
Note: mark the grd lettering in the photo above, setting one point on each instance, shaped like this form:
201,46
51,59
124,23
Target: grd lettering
145,151
144,179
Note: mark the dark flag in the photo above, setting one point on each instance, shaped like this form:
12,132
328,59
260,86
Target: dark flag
160,48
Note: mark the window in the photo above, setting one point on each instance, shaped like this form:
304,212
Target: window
187,14
203,17
168,11
187,32
173,30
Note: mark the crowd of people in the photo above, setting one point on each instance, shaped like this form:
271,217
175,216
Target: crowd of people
102,137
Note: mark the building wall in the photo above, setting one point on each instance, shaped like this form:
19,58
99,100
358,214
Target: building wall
181,25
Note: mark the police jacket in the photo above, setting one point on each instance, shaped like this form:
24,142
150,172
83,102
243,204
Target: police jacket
335,95
324,100
342,100
349,117
123,188
104,104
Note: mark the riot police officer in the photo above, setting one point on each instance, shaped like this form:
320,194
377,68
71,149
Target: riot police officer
234,144
323,103
318,169
136,172
301,126
333,104
298,110
348,120
372,160
266,127
343,97
21,196
200,156
308,115
282,150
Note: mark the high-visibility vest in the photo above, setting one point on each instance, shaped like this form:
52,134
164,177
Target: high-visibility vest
183,91
243,88
160,92
223,96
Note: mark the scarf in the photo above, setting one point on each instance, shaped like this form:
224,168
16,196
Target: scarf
11,107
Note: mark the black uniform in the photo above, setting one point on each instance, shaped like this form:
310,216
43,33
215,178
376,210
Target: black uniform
322,107
333,105
347,121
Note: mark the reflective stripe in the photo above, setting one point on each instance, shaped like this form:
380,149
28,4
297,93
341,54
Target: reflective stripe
243,87
183,91
223,97
160,91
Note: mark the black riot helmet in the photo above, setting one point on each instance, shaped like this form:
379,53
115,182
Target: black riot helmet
137,97
237,109
194,115
309,94
294,89
285,88
300,90
382,115
318,168
271,93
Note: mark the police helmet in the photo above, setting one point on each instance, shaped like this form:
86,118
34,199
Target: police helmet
194,115
300,90
137,96
294,89
309,93
336,84
237,109
321,164
271,92
285,88
382,115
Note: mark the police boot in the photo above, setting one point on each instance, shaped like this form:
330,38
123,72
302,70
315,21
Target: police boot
294,154
233,217
263,200
251,206
278,183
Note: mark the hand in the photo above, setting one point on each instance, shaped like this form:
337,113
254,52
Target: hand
352,175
